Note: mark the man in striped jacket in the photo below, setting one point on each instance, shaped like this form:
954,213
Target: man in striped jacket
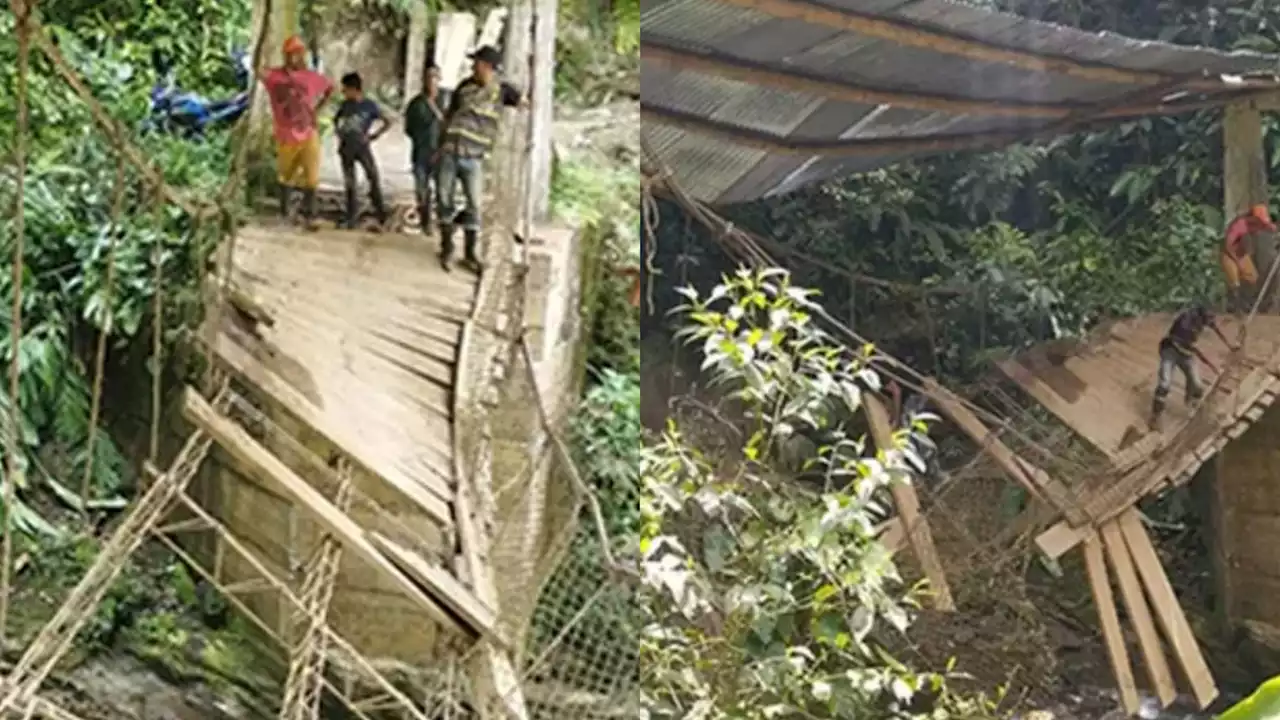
469,130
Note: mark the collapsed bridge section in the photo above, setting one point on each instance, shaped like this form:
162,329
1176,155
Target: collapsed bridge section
1101,389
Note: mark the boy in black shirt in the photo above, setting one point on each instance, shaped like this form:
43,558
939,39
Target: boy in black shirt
354,123
422,124
1176,351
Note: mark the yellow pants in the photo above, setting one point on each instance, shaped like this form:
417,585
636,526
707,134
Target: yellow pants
298,164
1238,270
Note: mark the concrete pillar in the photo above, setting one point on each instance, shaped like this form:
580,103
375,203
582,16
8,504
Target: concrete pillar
1244,176
415,56
542,97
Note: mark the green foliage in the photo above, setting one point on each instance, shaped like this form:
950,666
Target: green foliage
765,597
70,188
597,51
606,441
601,202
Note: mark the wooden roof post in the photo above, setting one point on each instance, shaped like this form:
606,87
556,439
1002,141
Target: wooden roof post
1244,169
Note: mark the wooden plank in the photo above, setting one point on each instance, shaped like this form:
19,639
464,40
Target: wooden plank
237,442
905,499
371,462
1034,480
458,598
1172,620
1109,620
1135,604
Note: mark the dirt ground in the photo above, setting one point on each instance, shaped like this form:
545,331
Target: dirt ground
1019,627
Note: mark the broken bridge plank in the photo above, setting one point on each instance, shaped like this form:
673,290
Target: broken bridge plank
237,442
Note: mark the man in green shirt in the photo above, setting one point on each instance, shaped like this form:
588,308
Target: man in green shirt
469,130
422,121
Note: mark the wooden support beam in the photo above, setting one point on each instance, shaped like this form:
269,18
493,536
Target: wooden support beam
907,34
1168,612
1244,175
907,502
1109,619
237,442
1135,604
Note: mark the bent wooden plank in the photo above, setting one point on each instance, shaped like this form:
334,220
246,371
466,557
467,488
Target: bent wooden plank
453,593
247,367
908,503
236,441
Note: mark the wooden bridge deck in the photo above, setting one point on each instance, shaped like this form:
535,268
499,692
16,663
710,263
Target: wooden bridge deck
362,352
1102,388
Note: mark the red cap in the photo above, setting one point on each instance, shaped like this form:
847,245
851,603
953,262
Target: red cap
293,45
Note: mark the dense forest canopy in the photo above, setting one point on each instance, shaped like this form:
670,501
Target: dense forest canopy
986,251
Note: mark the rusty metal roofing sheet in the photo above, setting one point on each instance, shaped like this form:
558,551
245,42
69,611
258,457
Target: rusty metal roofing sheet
696,115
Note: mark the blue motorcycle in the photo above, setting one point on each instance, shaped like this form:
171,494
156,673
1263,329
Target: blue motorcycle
190,114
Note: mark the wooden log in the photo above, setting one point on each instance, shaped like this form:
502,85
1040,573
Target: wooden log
238,443
1168,612
908,503
1109,619
1135,604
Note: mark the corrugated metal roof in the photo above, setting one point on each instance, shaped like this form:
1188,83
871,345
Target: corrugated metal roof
746,99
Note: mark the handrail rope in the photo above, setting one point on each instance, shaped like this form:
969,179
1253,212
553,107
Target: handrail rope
22,15
100,353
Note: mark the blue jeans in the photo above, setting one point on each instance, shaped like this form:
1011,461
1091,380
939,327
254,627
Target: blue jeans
424,174
466,172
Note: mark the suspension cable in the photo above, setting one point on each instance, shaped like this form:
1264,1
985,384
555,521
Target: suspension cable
100,353
22,16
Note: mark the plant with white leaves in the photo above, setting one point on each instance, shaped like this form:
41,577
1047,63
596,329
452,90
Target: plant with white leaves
765,595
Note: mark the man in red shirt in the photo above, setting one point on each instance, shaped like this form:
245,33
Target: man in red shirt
297,93
1237,255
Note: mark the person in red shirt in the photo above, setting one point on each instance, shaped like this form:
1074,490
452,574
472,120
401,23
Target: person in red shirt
1237,255
297,93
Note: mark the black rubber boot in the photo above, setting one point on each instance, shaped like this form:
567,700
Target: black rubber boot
309,209
1234,301
285,194
446,247
424,218
471,254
